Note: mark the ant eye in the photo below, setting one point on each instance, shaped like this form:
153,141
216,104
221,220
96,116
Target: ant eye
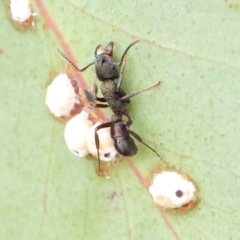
107,155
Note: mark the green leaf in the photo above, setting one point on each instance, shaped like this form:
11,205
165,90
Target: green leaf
192,120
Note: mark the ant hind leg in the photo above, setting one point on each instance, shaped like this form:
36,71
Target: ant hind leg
97,142
136,136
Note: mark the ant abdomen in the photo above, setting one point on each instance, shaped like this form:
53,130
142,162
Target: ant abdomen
126,147
124,144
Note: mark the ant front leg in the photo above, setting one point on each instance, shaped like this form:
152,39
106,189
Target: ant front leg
95,91
120,79
99,105
136,136
91,100
129,121
97,143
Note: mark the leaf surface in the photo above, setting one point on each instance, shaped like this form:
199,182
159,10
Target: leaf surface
191,119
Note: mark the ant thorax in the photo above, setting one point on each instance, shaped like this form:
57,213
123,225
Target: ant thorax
105,67
112,96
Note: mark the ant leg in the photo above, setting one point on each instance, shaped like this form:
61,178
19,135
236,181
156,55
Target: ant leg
129,122
100,99
99,105
120,79
91,100
95,90
97,143
89,97
136,136
125,52
128,96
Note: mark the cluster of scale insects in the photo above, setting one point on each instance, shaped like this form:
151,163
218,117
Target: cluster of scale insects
115,98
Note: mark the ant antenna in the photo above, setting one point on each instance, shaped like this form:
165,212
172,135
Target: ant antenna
141,141
83,69
125,52
64,56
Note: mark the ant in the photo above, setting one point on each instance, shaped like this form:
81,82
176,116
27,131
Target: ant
121,134
116,98
107,72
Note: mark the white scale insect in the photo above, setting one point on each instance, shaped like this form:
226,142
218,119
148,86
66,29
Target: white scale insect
76,134
61,97
79,137
79,130
172,190
21,11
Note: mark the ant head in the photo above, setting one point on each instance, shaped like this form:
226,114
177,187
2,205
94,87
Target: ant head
104,65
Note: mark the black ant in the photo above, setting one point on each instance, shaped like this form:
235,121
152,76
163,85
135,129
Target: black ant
116,98
111,89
